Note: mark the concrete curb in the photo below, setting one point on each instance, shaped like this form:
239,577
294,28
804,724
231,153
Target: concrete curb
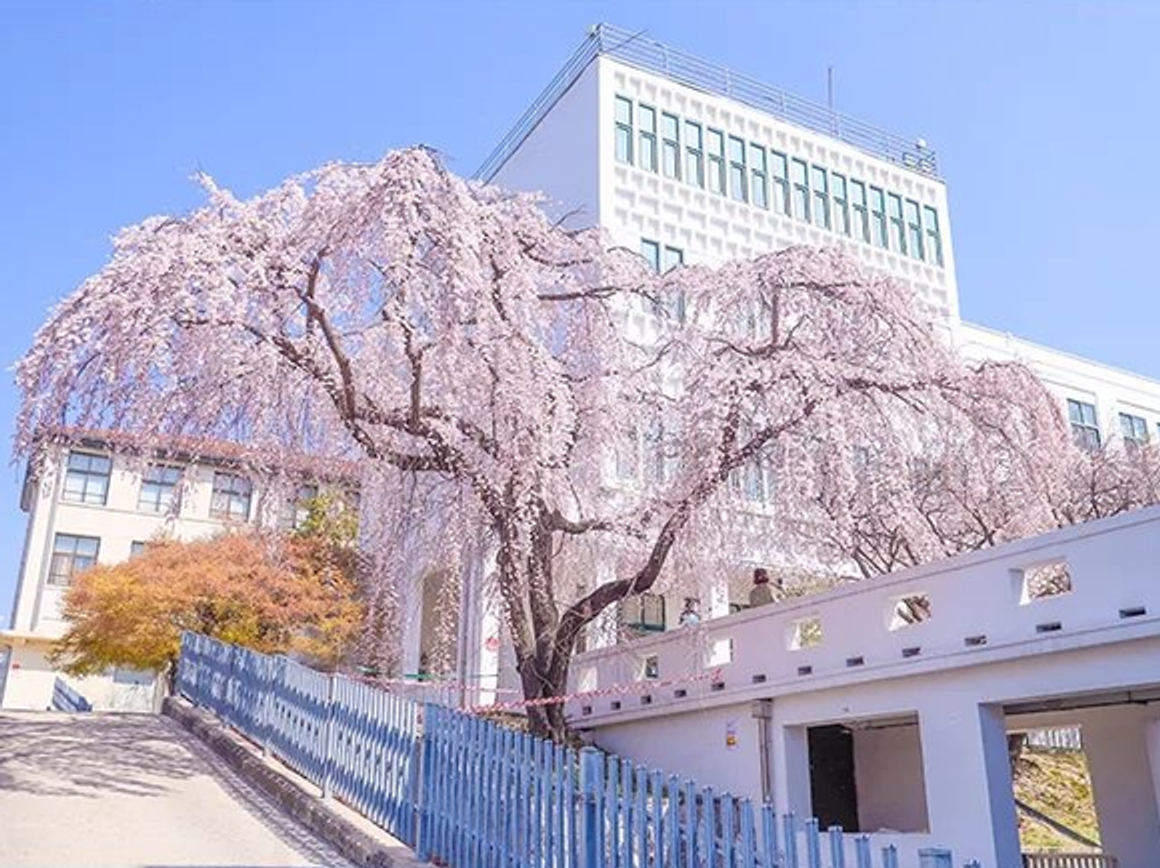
305,806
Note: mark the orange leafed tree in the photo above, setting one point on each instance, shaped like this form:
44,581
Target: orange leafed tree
267,592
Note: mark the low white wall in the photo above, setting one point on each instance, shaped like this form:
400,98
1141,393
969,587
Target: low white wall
31,679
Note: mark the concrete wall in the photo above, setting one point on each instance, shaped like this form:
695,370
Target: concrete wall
889,778
559,158
31,677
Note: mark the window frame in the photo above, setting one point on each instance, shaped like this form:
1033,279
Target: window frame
216,492
820,196
933,235
715,162
897,226
738,169
87,476
627,129
647,138
63,579
912,214
879,236
859,210
671,145
780,187
758,176
695,155
801,189
1085,431
147,484
840,203
1139,436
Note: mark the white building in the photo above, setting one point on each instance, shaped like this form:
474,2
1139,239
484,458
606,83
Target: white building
88,504
690,162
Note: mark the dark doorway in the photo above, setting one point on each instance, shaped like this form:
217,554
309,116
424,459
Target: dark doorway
832,789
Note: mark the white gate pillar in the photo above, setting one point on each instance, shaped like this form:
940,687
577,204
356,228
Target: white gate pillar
970,802
1115,744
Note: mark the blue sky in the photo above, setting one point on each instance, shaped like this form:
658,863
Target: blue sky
1040,113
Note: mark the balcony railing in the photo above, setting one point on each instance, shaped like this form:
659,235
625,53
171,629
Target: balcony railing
641,52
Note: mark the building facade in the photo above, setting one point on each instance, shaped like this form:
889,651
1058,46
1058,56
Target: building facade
90,502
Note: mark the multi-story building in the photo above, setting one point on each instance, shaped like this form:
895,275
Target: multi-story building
689,162
92,498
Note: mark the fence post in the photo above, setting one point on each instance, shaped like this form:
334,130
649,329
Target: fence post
328,741
591,783
266,700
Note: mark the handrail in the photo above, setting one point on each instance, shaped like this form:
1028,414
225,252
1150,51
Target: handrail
650,55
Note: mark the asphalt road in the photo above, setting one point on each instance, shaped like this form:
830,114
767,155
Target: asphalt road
133,790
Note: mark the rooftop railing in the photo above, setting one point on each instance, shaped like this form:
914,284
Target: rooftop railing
641,52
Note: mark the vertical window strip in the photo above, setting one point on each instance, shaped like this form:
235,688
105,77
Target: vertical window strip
694,155
716,151
841,204
780,170
1085,428
877,217
801,189
897,229
913,230
648,137
759,178
933,238
624,130
738,176
819,182
858,213
671,146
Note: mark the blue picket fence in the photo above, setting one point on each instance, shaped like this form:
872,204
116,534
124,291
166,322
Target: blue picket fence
353,741
67,698
468,793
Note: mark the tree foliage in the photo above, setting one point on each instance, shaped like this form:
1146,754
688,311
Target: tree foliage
273,594
484,364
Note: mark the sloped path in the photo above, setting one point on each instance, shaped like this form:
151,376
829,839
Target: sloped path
134,790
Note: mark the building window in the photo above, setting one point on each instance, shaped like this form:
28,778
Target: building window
801,189
670,146
298,507
738,180
674,302
759,179
933,238
1085,429
628,456
86,478
159,488
624,130
136,547
780,170
913,229
858,211
897,231
644,613
716,161
648,138
1134,429
841,204
694,155
231,497
651,251
71,555
820,185
877,217
658,466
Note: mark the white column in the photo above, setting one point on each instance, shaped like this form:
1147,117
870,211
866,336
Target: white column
1115,744
970,801
790,759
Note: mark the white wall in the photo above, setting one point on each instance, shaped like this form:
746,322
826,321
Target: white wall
889,779
1110,389
559,157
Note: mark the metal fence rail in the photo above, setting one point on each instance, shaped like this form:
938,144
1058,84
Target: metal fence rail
1065,738
468,793
67,698
645,53
1068,860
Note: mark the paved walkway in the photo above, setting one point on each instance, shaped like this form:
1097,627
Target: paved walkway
133,790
